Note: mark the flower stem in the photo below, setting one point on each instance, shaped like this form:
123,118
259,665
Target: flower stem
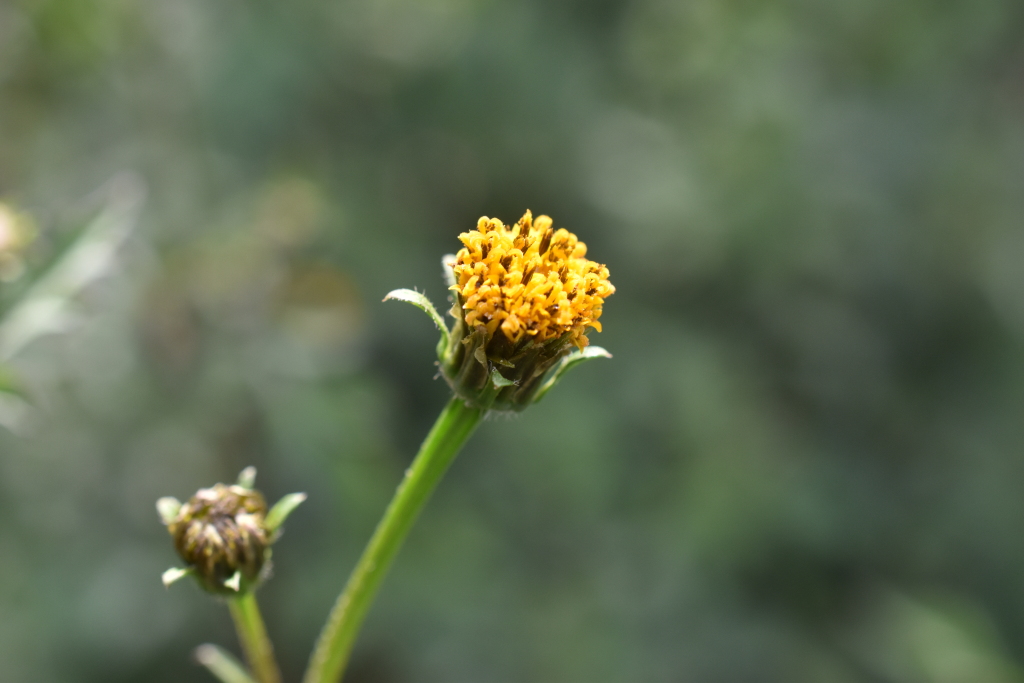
455,424
253,635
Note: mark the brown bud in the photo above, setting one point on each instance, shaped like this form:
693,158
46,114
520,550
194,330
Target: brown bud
222,531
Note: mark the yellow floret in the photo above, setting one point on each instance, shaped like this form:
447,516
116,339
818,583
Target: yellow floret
529,280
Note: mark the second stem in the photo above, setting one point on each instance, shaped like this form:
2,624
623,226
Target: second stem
253,635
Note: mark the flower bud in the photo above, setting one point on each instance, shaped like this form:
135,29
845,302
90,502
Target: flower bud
222,536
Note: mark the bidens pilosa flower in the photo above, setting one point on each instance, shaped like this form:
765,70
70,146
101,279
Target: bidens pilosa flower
224,533
524,299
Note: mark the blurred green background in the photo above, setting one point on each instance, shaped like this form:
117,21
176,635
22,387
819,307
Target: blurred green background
804,462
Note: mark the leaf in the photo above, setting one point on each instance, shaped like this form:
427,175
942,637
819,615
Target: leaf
282,508
10,384
423,303
17,414
222,665
16,408
566,364
43,305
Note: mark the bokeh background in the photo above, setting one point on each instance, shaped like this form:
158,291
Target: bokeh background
804,462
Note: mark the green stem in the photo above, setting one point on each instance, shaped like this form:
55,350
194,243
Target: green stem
455,424
253,634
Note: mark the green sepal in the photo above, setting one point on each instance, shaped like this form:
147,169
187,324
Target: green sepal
173,575
168,508
222,665
423,303
566,364
282,508
247,477
235,582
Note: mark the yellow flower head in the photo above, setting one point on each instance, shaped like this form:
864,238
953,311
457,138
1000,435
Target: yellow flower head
529,281
525,298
